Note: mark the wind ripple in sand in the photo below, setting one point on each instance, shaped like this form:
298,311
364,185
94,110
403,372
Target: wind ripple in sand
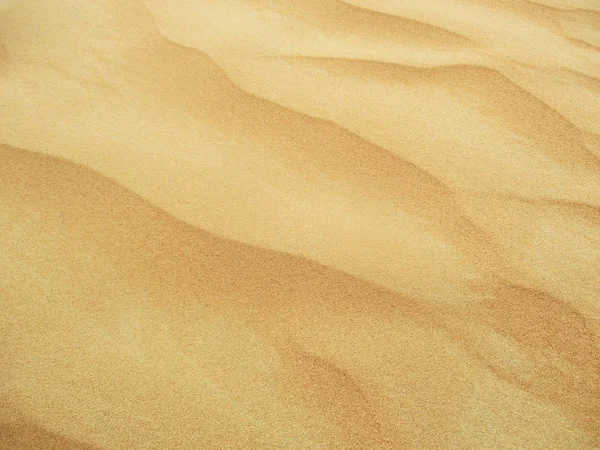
337,224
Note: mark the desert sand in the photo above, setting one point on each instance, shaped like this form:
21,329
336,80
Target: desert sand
299,224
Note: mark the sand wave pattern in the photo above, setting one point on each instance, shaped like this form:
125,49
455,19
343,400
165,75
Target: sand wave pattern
300,224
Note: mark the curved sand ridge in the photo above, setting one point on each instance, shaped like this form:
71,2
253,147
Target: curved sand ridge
316,224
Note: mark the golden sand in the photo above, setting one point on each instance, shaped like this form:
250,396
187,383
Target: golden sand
299,224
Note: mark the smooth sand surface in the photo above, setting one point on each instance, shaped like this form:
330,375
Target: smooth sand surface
299,224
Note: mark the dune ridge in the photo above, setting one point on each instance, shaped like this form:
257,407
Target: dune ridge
317,224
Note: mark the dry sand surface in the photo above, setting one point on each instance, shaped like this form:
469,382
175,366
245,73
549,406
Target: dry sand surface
299,224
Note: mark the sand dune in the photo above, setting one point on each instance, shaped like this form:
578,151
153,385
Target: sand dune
300,224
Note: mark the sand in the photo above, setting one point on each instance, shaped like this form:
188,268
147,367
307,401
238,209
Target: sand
299,224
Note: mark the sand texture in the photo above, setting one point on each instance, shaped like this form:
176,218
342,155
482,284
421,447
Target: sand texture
299,224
